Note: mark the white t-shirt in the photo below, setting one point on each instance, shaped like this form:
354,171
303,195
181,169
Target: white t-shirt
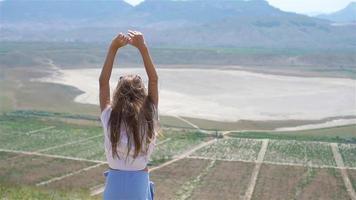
139,163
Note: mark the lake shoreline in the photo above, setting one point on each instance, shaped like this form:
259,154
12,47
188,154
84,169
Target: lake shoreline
279,71
242,123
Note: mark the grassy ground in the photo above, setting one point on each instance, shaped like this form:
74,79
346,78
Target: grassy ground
17,192
335,134
20,93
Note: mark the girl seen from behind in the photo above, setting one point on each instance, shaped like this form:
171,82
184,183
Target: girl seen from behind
130,123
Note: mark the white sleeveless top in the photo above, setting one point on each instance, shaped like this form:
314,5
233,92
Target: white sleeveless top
129,163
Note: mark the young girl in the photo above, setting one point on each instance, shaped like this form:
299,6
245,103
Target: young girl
130,122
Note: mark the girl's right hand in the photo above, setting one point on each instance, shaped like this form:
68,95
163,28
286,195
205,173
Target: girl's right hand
120,41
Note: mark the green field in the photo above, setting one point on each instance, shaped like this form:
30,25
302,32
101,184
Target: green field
306,153
175,143
348,153
343,134
231,149
28,133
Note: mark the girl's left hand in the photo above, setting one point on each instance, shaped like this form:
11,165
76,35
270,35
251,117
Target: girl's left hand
120,41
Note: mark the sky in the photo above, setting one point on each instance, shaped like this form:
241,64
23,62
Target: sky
299,6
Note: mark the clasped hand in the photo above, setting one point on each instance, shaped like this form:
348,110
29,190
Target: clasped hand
133,38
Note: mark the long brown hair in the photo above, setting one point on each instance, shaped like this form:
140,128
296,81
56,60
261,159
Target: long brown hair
133,108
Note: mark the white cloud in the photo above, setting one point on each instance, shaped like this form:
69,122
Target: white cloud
310,6
132,2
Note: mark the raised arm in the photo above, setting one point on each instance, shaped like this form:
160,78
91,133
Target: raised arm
137,40
104,79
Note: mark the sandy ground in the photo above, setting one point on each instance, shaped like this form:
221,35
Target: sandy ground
231,95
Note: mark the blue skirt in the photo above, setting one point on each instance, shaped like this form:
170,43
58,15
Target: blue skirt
128,185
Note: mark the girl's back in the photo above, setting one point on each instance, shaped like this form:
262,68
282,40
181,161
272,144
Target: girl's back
126,160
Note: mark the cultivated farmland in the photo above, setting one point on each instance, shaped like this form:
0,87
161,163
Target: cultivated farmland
298,152
32,169
226,180
170,180
231,149
348,152
62,155
176,142
84,180
296,182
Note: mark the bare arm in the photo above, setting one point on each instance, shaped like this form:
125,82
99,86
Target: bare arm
137,40
104,79
152,75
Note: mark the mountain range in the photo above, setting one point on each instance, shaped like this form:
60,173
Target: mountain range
168,23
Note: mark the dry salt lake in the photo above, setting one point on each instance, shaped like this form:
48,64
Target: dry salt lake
231,95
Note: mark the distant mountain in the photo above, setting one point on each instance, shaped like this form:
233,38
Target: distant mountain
68,12
189,23
347,14
148,11
203,11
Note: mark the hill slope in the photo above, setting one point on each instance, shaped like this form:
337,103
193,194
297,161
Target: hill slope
209,23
